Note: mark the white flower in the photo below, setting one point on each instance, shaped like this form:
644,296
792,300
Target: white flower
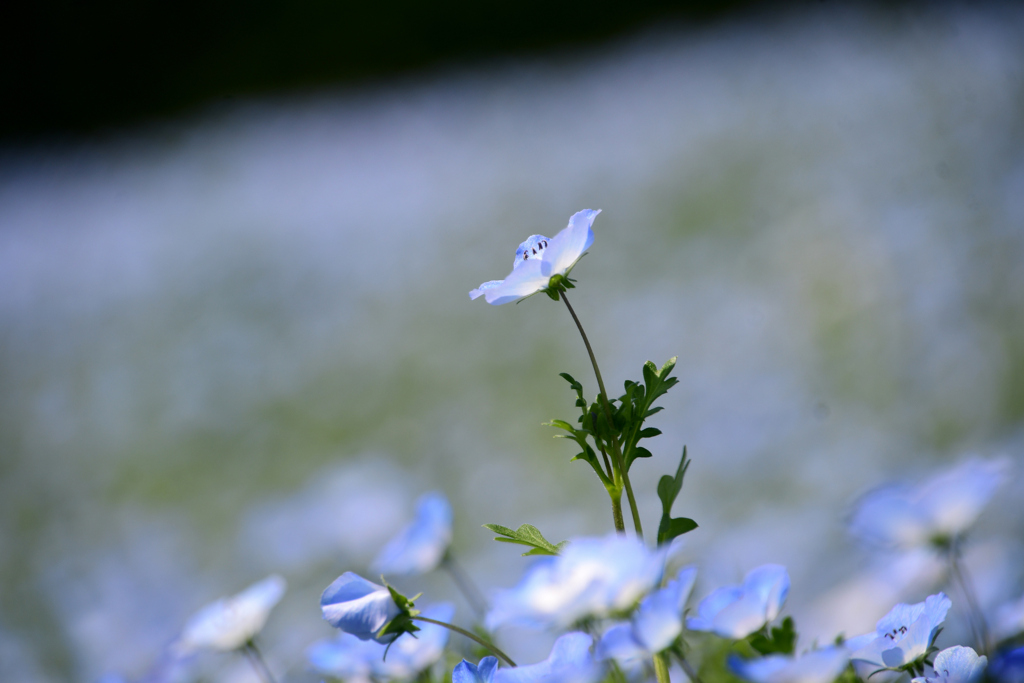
738,611
817,666
420,546
901,637
591,577
539,258
956,664
937,511
230,623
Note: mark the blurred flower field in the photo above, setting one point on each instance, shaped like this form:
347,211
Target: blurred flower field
240,344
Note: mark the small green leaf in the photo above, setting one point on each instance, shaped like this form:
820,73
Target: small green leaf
668,490
527,535
782,639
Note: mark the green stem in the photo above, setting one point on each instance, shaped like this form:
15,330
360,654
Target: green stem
975,616
465,585
472,636
258,663
661,668
616,454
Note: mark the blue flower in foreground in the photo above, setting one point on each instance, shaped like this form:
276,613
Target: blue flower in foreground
539,259
230,623
592,577
738,611
655,625
941,509
359,607
465,672
901,638
956,664
817,666
570,661
358,661
1008,666
420,546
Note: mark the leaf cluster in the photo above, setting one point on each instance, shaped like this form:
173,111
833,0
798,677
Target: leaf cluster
402,622
628,414
527,535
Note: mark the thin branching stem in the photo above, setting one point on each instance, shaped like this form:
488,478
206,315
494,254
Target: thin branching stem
465,585
252,653
616,453
472,636
975,616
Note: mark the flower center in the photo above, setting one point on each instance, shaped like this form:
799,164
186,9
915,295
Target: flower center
530,249
896,632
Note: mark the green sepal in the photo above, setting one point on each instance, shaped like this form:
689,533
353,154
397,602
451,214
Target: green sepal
779,640
668,490
402,622
527,535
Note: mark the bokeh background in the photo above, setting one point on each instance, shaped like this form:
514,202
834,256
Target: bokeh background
235,336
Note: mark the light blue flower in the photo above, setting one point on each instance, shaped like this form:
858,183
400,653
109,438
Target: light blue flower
955,664
570,661
654,626
738,611
817,666
937,511
465,672
539,258
358,606
359,661
345,657
420,546
901,638
592,577
230,623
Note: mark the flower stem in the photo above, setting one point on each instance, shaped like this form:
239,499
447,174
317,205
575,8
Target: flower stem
975,616
256,659
616,454
661,668
465,585
472,636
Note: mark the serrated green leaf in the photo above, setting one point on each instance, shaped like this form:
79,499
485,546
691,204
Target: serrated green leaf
668,490
527,535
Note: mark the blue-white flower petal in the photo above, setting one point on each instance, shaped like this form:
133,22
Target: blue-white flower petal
570,662
420,546
357,606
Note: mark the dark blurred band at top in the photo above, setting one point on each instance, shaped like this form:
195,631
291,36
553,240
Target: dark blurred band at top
78,68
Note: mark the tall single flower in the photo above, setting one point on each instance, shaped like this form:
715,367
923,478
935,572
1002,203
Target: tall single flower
654,626
957,664
540,259
420,546
592,577
902,638
817,666
230,623
937,511
738,611
360,607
